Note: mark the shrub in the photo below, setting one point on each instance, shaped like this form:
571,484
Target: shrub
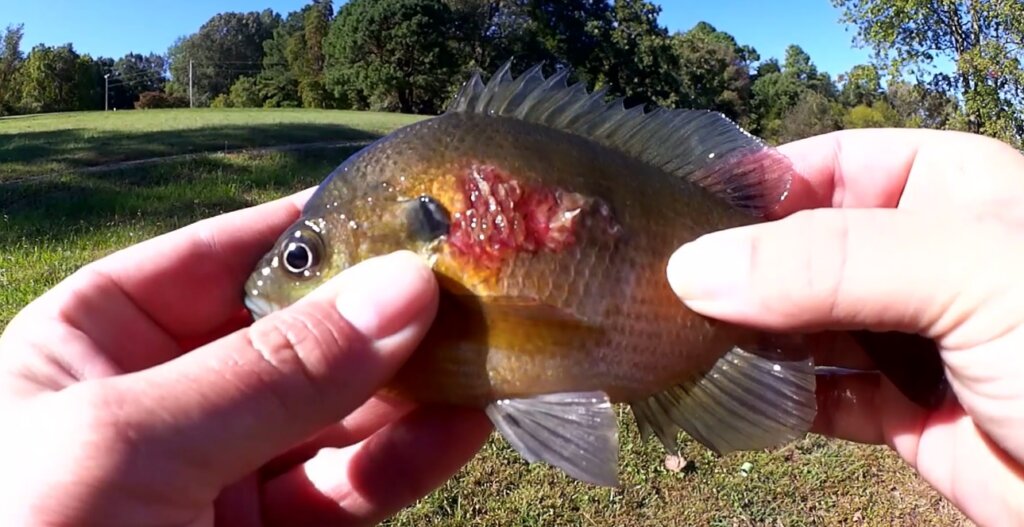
159,99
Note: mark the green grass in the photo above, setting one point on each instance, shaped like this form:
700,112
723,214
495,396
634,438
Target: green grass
47,144
50,226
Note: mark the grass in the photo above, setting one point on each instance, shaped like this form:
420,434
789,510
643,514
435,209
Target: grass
49,144
50,226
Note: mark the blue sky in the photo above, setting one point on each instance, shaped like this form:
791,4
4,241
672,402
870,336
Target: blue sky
115,27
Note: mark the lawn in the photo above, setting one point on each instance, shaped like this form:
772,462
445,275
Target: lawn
55,217
48,144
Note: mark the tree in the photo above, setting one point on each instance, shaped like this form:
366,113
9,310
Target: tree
714,71
316,22
921,106
982,38
392,55
876,115
50,79
278,83
862,85
813,114
11,59
244,94
135,74
640,63
225,48
799,67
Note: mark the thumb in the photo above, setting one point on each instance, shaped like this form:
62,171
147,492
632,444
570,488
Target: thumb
875,269
229,407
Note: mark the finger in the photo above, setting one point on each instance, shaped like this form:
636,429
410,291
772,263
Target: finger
873,269
225,409
865,408
961,461
162,277
375,414
850,169
917,168
368,482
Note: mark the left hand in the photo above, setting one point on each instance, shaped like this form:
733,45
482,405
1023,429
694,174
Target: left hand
136,393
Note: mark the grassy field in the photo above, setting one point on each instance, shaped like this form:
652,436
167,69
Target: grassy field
54,218
48,144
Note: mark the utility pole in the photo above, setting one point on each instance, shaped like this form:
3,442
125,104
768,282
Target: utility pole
190,83
106,92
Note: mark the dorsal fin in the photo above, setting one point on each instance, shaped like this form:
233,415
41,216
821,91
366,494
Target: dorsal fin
700,146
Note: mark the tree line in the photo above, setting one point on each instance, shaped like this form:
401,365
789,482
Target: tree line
412,56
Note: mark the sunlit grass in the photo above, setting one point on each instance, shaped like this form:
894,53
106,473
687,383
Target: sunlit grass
51,143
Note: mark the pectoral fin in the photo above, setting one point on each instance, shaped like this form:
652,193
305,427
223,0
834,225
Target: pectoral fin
576,432
747,401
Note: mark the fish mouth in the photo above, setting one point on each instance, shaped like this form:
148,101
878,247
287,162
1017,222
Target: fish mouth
259,307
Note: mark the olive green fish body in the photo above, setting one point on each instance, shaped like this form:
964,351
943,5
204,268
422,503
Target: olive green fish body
548,216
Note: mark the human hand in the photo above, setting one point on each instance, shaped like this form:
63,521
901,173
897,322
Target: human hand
914,231
133,393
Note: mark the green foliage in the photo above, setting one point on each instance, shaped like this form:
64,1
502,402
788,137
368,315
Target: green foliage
11,59
640,62
392,55
55,79
877,115
921,106
773,94
244,93
134,74
316,24
813,114
278,84
982,38
156,99
714,70
861,86
224,49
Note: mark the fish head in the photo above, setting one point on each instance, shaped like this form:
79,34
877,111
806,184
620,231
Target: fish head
392,195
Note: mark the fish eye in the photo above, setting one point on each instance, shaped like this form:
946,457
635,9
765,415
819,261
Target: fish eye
300,254
429,219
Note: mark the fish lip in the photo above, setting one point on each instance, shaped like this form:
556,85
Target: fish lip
258,307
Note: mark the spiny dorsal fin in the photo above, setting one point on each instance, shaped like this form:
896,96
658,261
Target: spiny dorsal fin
700,146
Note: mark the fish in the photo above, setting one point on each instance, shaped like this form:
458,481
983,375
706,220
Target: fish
548,215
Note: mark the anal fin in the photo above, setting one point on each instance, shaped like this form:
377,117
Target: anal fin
576,432
747,401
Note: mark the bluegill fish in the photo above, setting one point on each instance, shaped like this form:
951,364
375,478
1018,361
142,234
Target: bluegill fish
548,216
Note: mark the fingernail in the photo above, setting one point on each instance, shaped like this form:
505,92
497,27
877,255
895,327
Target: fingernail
711,269
383,295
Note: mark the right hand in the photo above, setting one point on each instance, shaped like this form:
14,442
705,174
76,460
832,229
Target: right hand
915,231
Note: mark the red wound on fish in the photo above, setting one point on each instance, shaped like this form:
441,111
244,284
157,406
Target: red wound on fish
500,216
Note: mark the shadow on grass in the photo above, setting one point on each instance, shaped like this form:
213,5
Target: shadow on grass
157,197
34,153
